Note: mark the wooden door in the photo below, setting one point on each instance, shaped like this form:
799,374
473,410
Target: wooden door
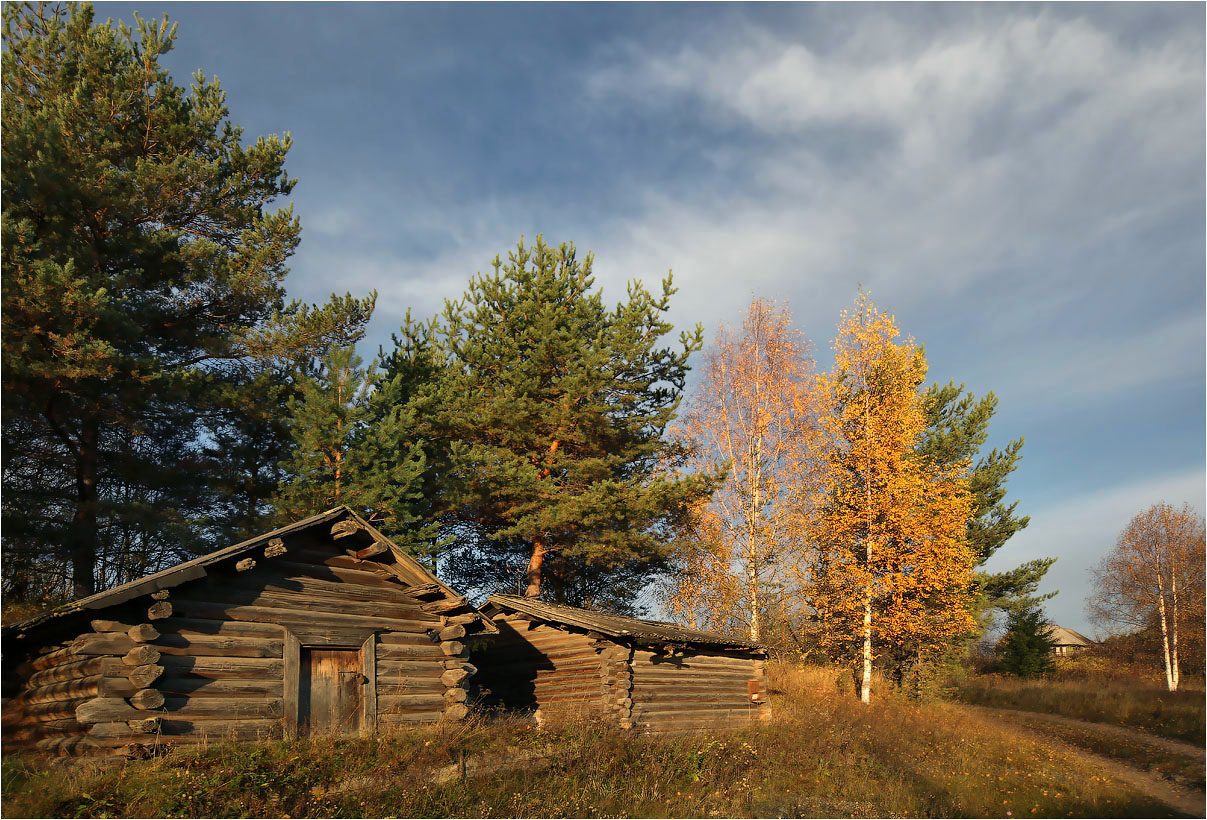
331,697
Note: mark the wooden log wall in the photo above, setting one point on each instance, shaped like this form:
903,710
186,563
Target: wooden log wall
555,671
696,690
206,661
92,695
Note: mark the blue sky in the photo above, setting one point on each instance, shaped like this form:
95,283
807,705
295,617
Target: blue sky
1023,186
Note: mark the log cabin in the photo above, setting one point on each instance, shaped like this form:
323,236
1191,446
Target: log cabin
323,626
636,674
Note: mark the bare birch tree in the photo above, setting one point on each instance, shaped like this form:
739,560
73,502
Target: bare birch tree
750,413
1154,574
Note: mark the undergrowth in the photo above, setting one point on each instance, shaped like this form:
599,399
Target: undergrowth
822,754
1123,701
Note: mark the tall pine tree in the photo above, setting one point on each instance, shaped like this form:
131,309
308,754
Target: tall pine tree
957,428
350,434
550,410
144,274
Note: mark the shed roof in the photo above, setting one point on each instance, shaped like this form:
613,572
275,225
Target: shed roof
1067,637
613,626
414,572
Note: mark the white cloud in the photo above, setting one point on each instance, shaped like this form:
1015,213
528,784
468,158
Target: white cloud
1079,530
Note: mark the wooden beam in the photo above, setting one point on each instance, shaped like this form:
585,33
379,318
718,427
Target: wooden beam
245,564
293,682
368,660
368,552
275,547
342,529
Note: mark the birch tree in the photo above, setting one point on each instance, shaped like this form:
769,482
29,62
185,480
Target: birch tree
893,563
1155,573
749,414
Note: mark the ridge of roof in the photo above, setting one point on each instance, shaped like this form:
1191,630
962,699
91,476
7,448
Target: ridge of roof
616,626
195,568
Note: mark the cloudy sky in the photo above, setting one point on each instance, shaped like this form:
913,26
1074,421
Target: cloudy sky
1023,186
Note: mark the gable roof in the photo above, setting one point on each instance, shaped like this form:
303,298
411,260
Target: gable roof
1067,637
408,569
636,630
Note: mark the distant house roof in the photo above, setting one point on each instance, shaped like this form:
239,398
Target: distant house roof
613,626
1067,637
406,567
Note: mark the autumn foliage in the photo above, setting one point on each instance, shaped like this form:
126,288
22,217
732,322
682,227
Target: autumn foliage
1154,579
892,566
752,414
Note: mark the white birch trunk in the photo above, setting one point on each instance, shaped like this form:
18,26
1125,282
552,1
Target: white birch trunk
1173,625
865,691
1169,681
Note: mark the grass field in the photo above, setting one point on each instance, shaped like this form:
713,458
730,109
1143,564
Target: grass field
823,755
1123,701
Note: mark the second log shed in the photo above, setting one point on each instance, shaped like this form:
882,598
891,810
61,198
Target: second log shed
643,675
323,626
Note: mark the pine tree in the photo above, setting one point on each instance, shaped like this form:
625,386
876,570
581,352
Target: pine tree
957,428
349,428
1026,650
143,270
550,410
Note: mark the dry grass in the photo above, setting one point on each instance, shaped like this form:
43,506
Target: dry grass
1120,700
823,755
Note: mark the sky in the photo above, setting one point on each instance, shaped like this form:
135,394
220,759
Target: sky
1021,185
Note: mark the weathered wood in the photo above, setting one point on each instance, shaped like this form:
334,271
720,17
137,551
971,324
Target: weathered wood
451,633
452,647
413,667
208,627
292,683
445,605
146,699
368,552
456,711
144,676
200,645
460,663
456,695
76,669
102,643
427,592
54,658
51,709
143,633
103,710
159,610
275,547
290,617
144,726
405,639
408,686
346,604
245,564
219,687
368,660
217,730
280,582
333,567
100,731
177,708
345,528
221,667
161,595
391,703
141,655
91,686
394,652
103,625
454,677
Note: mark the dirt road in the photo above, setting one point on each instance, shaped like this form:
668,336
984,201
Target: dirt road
1188,801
